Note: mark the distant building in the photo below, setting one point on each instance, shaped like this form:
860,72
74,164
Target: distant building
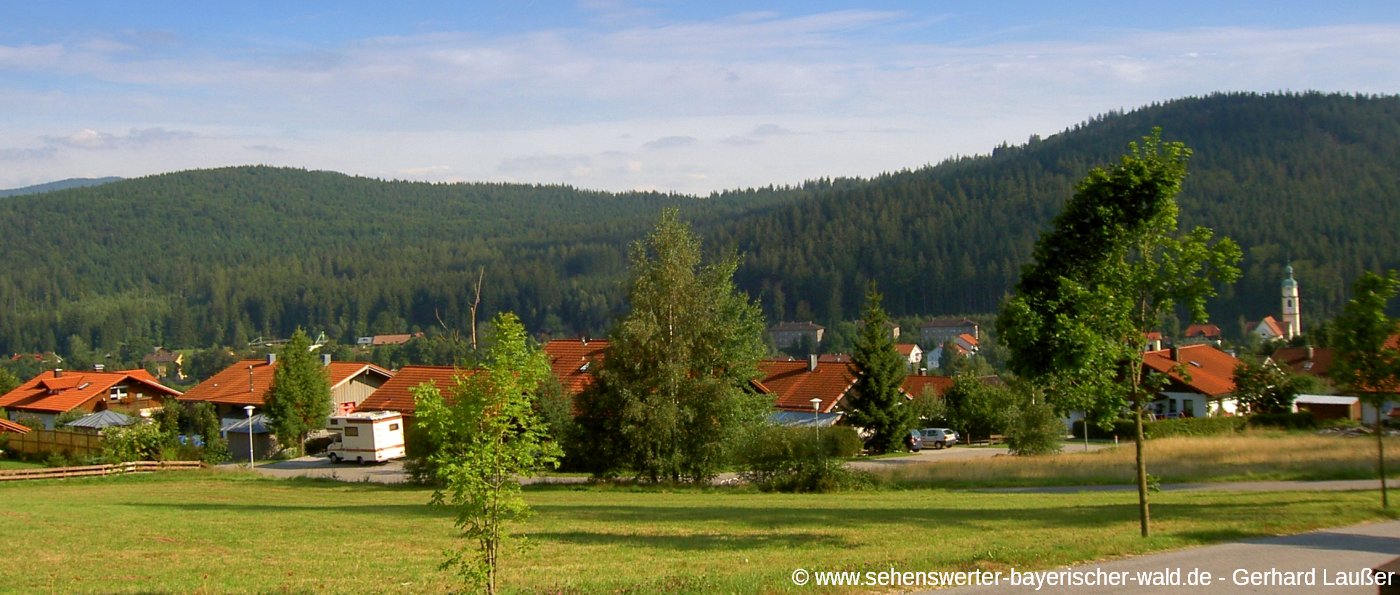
787,335
934,333
1201,333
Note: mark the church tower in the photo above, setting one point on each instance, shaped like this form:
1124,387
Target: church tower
1292,320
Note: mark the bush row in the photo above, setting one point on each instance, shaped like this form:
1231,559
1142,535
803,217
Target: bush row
1200,426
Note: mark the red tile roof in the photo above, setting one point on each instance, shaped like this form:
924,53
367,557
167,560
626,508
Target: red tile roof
1208,331
393,339
905,349
396,394
794,386
1297,360
1272,324
247,382
914,385
9,426
51,393
574,360
1212,371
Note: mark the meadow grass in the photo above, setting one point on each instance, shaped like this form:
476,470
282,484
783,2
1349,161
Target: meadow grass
236,532
1249,456
6,464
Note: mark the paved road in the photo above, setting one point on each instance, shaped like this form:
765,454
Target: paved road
392,471
1306,563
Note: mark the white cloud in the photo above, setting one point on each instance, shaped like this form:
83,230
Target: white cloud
747,100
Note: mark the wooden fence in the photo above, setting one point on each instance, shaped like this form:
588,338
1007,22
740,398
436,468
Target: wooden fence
65,442
98,470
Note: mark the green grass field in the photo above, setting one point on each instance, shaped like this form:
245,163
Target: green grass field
1249,456
231,531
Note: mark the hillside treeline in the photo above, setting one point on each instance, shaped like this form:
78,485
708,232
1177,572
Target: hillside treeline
225,256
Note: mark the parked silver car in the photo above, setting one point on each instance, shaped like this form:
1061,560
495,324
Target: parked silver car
938,437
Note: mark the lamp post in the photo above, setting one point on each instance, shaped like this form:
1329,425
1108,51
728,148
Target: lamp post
249,410
816,421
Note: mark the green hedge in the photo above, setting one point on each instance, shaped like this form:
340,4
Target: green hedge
1166,428
1302,420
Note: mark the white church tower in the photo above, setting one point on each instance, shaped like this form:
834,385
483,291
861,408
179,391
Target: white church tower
1292,320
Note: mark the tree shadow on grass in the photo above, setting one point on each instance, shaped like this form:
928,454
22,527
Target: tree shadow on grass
1324,540
223,508
695,542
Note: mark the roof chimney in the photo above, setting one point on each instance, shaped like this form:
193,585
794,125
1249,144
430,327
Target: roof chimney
811,362
271,358
325,359
98,367
1310,353
1176,353
58,372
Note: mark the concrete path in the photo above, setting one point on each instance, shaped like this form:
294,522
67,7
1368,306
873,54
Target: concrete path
1225,486
1330,561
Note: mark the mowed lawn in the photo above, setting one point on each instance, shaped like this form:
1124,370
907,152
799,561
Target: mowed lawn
231,531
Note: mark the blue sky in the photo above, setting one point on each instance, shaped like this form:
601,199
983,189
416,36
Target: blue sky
675,96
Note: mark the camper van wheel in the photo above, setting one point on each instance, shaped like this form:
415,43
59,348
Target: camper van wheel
360,460
335,458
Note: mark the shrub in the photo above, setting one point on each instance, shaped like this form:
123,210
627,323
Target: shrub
1288,421
1193,426
1034,430
317,445
785,459
140,442
841,441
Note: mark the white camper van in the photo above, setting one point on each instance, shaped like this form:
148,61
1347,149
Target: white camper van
370,436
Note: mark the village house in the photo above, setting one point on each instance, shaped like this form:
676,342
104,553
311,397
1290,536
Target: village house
165,363
934,333
55,392
788,335
396,394
247,382
795,384
1201,333
574,361
912,355
1206,388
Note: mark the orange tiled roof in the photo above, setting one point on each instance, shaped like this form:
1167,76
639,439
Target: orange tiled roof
794,386
247,382
51,393
905,349
9,426
574,360
1212,371
1297,360
393,339
1208,331
395,394
914,385
1273,326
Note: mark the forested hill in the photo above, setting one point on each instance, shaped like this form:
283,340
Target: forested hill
1313,178
222,256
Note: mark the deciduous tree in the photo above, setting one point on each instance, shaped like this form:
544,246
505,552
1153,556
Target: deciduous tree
1108,271
1367,353
487,437
300,398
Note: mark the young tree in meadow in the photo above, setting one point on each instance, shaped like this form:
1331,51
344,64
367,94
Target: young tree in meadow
876,402
300,398
1367,357
1110,269
671,401
487,437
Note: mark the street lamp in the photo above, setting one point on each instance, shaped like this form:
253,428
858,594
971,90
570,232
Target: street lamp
816,421
249,409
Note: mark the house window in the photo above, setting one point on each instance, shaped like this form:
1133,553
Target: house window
352,431
117,393
393,427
